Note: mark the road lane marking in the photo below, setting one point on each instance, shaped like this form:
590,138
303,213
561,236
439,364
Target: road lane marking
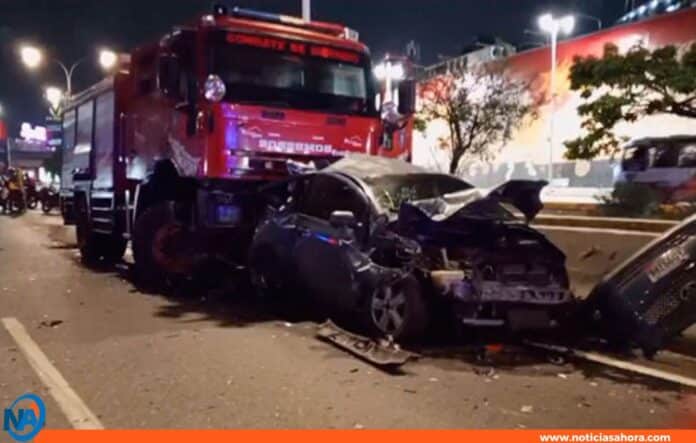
619,364
76,411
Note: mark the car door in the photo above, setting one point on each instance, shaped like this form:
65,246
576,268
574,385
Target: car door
325,256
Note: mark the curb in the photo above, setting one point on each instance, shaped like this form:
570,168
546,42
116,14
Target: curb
625,224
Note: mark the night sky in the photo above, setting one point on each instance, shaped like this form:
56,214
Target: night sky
71,29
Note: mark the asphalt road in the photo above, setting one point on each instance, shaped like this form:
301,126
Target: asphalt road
218,361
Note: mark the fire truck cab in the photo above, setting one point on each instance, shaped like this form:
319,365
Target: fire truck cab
169,151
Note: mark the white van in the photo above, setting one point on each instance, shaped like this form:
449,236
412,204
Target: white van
666,163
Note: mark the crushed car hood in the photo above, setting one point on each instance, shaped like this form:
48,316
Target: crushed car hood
523,195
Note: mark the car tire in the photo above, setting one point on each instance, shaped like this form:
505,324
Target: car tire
398,310
154,267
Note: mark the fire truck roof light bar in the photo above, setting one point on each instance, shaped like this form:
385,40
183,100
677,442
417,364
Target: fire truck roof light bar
327,28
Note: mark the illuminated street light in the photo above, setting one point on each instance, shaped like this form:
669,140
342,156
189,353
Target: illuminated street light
54,96
554,26
31,56
389,73
107,59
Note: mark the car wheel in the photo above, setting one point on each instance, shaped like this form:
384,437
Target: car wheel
160,246
399,310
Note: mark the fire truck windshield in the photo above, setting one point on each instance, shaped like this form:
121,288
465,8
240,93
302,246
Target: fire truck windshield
257,75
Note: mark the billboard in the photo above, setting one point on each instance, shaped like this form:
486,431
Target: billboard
527,155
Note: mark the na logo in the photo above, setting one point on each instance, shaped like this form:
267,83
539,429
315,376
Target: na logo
25,418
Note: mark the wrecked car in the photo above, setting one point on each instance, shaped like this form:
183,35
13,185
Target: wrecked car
398,246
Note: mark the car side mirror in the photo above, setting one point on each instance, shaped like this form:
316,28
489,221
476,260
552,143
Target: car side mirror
407,97
342,219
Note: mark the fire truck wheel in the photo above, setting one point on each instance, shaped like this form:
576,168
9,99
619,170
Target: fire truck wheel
96,248
160,246
266,287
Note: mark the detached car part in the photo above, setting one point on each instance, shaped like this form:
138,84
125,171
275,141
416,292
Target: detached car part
383,353
651,297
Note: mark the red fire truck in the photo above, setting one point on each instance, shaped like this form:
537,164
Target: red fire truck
170,151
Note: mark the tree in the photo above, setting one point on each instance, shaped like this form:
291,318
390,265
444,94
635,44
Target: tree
482,107
626,87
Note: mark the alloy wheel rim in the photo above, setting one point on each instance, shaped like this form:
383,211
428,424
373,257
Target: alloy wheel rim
388,309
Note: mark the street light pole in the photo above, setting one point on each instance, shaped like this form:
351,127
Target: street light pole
68,74
553,27
307,10
552,86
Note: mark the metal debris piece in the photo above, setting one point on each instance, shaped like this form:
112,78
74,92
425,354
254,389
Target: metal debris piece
50,323
589,253
383,354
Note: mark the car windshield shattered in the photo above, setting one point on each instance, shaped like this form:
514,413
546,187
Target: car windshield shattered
391,191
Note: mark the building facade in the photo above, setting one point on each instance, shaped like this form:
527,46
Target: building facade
528,154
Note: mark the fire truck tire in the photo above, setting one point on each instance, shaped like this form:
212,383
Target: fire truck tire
96,248
158,259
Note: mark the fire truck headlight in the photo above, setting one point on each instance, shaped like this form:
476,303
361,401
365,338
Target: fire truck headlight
214,88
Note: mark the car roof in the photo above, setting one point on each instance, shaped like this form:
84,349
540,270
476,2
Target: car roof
363,167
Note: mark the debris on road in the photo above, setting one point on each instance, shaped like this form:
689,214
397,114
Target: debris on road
589,253
487,371
527,409
383,353
50,323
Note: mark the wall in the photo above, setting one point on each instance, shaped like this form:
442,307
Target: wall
527,155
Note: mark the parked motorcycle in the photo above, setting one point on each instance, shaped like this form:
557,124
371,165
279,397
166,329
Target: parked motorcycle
49,199
32,195
16,203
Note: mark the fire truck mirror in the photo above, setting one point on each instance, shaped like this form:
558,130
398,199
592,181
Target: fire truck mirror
168,75
407,97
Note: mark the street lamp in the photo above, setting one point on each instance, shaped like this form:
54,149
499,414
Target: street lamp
32,58
54,96
389,73
554,26
107,59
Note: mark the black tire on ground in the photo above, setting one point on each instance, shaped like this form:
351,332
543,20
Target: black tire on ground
96,248
32,203
153,266
399,310
267,287
16,206
46,206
